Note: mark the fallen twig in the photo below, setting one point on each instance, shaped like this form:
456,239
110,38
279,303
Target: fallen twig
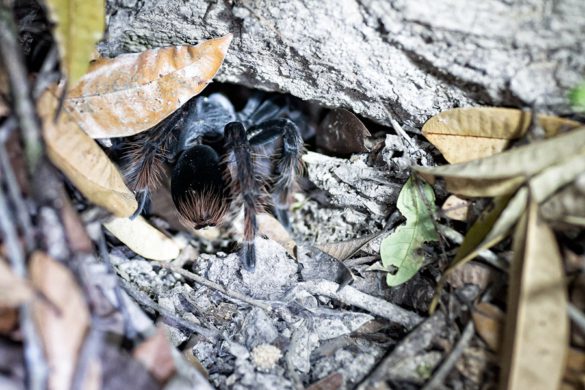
36,366
418,340
13,188
361,260
146,301
352,296
89,351
577,316
208,283
129,330
19,86
439,377
487,255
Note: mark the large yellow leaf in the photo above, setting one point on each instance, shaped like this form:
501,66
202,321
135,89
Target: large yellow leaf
82,160
505,172
537,326
79,25
63,323
464,134
133,92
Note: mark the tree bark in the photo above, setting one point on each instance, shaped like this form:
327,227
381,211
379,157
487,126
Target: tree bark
376,57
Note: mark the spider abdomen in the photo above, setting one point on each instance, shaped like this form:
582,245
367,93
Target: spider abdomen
198,187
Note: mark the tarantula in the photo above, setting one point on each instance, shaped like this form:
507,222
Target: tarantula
220,160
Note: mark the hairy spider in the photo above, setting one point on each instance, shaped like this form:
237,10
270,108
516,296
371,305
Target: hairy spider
220,160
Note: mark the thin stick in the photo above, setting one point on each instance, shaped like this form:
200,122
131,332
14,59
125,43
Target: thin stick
36,366
89,351
361,260
13,187
146,301
576,316
352,296
439,377
214,286
487,255
419,339
19,86
129,330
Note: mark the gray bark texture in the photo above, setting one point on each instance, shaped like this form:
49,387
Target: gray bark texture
409,59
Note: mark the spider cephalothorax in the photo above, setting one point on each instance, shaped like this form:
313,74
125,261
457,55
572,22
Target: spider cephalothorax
220,160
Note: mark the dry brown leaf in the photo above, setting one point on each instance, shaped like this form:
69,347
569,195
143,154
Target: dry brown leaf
550,180
464,134
537,327
14,290
142,238
456,208
194,362
505,172
489,323
342,250
342,132
157,356
575,370
471,273
4,92
82,160
77,237
4,109
8,320
133,92
62,324
332,381
568,205
271,228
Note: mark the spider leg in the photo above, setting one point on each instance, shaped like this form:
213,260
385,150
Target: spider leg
142,157
258,109
244,181
288,165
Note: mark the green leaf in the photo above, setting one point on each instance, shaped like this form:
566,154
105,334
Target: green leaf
402,248
577,97
80,24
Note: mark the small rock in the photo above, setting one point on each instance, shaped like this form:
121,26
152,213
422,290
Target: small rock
258,328
265,356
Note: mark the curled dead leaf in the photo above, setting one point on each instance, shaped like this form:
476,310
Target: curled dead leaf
143,238
157,356
456,208
489,323
82,160
133,92
464,134
62,324
342,132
